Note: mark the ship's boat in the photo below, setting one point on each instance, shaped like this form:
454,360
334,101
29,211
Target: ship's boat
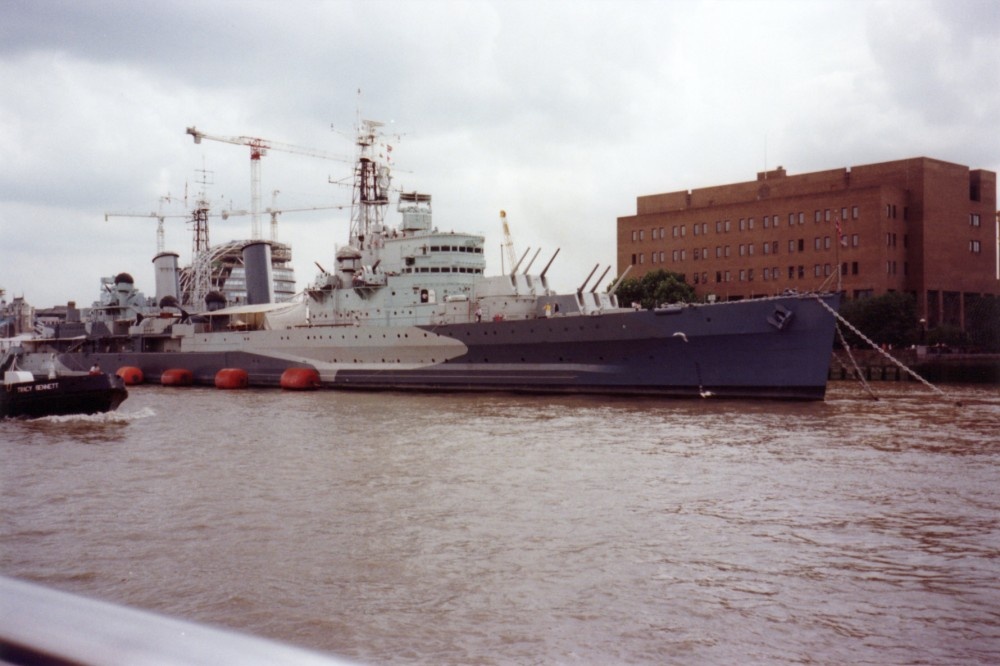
26,395
408,306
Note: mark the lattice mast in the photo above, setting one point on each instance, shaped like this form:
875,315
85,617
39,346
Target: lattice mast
370,197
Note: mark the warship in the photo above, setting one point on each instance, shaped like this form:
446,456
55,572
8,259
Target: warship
409,307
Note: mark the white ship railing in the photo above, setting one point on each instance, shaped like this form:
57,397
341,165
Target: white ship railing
39,625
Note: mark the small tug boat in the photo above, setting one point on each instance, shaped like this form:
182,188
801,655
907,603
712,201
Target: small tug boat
27,395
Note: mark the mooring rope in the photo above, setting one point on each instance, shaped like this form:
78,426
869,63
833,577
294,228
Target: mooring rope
857,370
874,346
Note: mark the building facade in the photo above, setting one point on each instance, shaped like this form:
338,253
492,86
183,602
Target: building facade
919,225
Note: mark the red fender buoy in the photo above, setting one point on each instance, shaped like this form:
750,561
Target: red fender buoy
130,375
232,378
300,379
177,377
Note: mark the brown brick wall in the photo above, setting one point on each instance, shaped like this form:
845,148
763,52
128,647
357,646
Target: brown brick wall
906,227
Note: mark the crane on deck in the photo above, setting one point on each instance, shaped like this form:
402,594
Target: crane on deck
508,243
258,148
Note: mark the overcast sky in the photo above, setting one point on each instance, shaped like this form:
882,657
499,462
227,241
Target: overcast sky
560,113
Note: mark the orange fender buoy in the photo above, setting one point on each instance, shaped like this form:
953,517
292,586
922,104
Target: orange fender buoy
300,379
177,377
232,378
130,375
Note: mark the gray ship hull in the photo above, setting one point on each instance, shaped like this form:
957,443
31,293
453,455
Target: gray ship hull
766,348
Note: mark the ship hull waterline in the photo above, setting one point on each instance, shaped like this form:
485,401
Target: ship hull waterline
726,350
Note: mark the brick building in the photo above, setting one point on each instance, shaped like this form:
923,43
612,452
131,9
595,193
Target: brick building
919,225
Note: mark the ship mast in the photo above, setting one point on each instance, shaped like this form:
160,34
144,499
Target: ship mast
371,187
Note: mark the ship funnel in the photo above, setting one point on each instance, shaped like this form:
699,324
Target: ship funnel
257,263
167,276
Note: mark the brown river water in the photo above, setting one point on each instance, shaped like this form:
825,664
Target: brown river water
507,529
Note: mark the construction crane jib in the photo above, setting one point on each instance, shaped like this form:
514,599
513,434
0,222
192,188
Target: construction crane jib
258,148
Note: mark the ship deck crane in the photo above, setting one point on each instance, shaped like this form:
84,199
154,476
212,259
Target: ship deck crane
508,243
258,148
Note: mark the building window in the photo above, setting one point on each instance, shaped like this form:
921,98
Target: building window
725,226
641,258
718,276
743,275
718,226
743,224
704,228
974,219
767,248
750,249
854,212
827,269
855,240
817,216
817,243
854,268
674,255
975,247
826,242
743,250
843,213
697,254
662,234
750,223
729,277
817,270
696,229
634,260
767,222
802,272
767,274
802,218
642,234
791,272
791,246
634,236
791,219
727,250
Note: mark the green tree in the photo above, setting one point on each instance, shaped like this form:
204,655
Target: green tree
888,319
655,288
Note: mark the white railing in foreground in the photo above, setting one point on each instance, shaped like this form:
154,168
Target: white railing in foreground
39,625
